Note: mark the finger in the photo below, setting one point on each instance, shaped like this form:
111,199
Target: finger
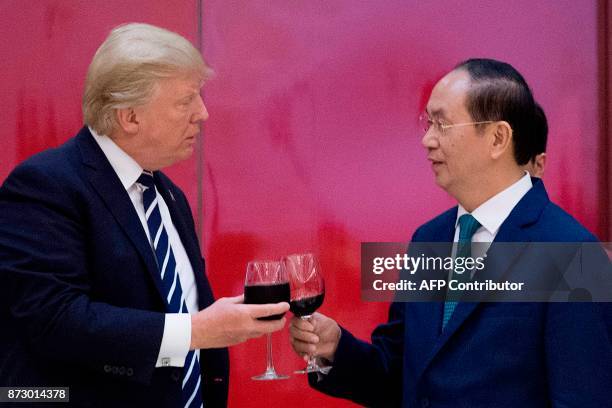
268,309
236,299
304,349
299,352
317,319
269,326
302,324
301,335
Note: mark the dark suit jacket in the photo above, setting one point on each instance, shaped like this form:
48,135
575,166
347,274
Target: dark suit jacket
81,296
489,354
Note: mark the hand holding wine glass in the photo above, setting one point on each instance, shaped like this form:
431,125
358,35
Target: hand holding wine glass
307,292
318,336
229,321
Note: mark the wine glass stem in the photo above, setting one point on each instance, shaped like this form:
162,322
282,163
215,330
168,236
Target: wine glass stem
312,363
270,363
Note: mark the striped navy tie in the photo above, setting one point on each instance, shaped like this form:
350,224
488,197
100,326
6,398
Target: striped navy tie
192,396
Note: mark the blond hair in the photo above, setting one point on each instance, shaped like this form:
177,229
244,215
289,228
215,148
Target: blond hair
127,67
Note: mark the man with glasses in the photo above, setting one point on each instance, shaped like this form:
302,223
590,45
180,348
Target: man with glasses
478,135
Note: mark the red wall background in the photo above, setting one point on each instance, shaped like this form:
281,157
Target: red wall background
312,142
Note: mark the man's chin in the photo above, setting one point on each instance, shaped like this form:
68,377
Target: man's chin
186,153
442,182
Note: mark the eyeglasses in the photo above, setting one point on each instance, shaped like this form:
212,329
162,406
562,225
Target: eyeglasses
425,122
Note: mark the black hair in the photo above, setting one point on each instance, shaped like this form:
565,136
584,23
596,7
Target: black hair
540,130
500,92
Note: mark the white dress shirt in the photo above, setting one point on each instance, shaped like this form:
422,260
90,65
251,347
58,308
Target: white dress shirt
176,338
492,213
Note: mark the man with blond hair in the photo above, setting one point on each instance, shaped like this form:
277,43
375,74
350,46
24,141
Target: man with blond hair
103,285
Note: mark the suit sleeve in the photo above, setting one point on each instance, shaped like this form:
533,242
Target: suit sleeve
579,338
47,287
578,355
369,374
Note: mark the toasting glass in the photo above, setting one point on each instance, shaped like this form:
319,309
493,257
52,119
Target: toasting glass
267,282
307,293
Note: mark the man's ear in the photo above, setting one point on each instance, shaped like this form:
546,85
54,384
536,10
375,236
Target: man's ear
540,164
501,139
127,120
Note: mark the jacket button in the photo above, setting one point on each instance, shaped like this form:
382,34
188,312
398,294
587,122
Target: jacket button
424,402
129,372
107,368
176,375
121,370
115,370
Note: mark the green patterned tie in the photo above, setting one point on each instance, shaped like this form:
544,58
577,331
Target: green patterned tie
467,227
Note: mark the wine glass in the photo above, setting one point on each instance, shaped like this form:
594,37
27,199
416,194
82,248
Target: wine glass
267,282
307,293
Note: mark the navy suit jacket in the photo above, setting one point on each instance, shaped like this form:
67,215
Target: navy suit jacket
82,304
489,354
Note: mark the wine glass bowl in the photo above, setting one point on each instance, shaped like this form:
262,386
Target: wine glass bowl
306,306
307,292
266,282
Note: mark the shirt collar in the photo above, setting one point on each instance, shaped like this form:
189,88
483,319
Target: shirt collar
492,213
125,166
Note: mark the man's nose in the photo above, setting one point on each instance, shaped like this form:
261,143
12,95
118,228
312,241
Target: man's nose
430,140
201,114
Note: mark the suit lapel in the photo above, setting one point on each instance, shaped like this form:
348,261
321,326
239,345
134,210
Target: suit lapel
501,256
525,213
425,318
106,183
438,241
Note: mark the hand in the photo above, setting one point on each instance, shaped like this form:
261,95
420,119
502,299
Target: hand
229,321
318,336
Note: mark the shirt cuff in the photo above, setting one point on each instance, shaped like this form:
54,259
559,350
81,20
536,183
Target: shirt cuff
175,340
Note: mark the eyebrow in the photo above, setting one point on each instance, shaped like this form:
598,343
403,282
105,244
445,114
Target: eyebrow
436,113
186,97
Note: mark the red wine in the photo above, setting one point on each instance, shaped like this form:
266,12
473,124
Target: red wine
260,294
306,306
